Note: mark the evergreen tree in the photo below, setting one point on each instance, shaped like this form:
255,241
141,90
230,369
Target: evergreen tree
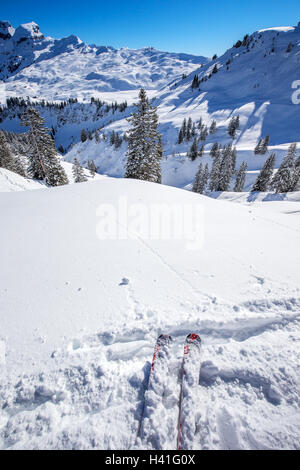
198,178
213,127
97,138
283,180
200,124
92,167
233,126
225,169
263,180
193,153
203,133
189,129
144,145
215,172
265,144
83,135
241,178
201,151
42,155
258,147
78,172
201,179
195,83
19,166
215,150
296,179
112,138
180,136
6,158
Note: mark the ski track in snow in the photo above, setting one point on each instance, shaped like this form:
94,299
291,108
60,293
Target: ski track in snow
106,388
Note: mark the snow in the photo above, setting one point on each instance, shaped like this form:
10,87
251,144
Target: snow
57,69
80,317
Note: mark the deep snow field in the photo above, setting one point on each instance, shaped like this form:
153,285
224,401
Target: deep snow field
80,316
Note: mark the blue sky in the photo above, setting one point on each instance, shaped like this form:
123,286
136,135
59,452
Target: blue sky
193,26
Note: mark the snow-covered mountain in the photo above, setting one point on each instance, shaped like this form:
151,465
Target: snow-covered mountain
80,316
257,79
56,69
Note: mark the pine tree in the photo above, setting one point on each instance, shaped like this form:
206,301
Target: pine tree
213,127
283,180
200,124
193,152
201,151
198,178
42,155
92,167
226,169
180,136
19,167
6,158
241,178
214,150
265,144
203,133
78,172
263,180
233,126
258,147
144,146
215,172
97,138
201,179
189,129
195,83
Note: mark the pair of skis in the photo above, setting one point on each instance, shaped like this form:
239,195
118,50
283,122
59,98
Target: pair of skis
158,378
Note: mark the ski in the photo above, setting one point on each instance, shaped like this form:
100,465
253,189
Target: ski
190,371
155,387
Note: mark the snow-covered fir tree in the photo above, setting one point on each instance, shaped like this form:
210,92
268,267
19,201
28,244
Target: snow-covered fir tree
214,150
6,158
233,126
42,155
193,152
226,169
265,145
78,172
283,180
264,178
201,179
213,127
240,178
189,129
144,143
215,172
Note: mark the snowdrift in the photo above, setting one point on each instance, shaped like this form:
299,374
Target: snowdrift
80,315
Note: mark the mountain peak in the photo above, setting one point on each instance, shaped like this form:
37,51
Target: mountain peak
6,30
27,31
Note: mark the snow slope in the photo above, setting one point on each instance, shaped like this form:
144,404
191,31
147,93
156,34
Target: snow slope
80,315
57,69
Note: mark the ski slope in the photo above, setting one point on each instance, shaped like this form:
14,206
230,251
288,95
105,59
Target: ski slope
80,317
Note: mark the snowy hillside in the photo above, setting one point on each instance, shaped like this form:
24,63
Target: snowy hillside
255,80
57,69
80,315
